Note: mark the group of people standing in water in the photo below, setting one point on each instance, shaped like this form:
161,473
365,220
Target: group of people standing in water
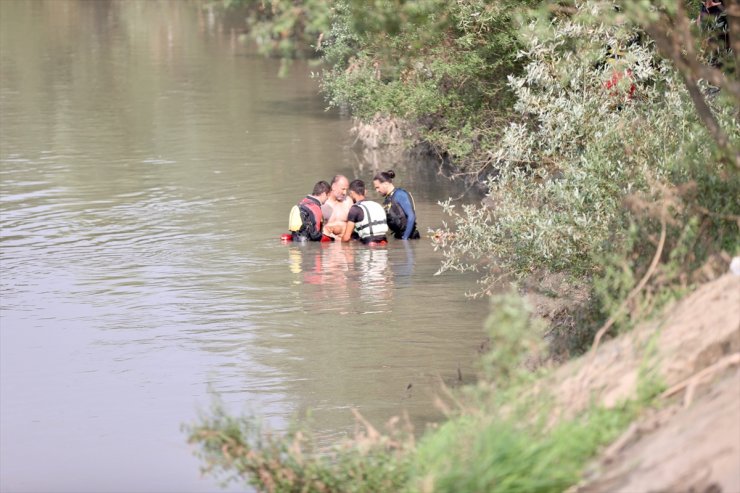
340,211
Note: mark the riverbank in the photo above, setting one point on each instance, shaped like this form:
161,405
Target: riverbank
689,440
606,161
624,417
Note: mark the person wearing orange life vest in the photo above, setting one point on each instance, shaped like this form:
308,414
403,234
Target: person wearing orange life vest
366,219
311,216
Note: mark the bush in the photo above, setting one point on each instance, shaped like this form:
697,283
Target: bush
584,144
513,337
284,28
238,449
498,456
442,65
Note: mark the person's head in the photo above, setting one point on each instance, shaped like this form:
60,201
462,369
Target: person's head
321,191
357,190
339,186
383,182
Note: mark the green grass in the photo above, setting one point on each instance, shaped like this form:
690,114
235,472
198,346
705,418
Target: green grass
505,456
506,439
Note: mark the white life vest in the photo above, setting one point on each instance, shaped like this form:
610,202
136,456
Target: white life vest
374,223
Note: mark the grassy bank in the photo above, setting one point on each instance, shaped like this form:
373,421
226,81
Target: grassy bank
607,136
520,430
501,436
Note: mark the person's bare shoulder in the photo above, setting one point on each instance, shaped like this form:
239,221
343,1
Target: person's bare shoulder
347,205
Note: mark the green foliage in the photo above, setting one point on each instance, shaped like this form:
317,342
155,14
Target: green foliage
238,449
683,255
472,455
284,28
514,335
650,383
444,67
514,444
580,149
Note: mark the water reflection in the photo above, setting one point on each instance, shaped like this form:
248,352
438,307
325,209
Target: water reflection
404,268
376,283
373,323
350,278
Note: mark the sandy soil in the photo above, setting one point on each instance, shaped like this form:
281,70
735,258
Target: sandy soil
680,449
692,444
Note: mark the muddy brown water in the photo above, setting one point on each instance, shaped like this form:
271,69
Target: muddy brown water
148,163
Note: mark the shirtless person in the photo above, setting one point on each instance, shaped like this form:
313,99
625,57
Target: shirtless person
336,207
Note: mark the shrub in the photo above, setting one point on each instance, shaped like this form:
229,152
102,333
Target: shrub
581,146
442,65
501,456
239,450
283,28
513,336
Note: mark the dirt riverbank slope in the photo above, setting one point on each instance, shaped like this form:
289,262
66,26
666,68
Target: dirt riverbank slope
691,443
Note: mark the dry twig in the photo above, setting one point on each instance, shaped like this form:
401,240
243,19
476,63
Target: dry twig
695,380
651,270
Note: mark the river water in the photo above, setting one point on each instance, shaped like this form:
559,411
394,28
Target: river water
148,161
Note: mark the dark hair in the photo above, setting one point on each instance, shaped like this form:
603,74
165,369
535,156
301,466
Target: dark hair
357,186
385,176
321,187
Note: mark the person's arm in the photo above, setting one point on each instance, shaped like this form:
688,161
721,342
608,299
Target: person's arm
314,231
348,231
405,202
354,216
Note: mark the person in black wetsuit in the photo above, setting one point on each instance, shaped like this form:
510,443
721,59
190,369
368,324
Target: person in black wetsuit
399,206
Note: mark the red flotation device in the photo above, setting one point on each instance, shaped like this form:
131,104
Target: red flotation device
286,237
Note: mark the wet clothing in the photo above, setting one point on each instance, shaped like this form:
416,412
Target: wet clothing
370,221
401,214
312,219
